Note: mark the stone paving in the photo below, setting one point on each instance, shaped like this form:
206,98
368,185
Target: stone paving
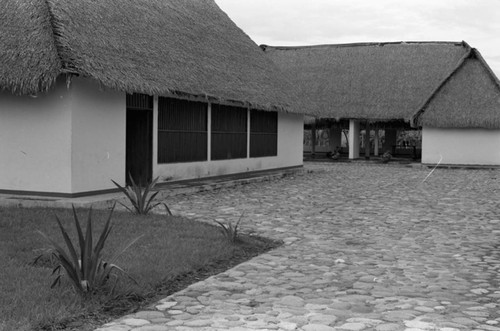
367,247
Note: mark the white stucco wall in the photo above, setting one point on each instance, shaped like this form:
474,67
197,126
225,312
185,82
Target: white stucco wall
65,141
35,141
290,138
71,141
461,146
98,137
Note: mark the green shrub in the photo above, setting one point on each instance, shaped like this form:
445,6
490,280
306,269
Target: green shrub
386,157
141,202
229,231
84,267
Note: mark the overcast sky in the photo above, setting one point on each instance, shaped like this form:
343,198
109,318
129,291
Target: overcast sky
309,22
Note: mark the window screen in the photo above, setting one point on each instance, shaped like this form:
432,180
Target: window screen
263,133
229,132
182,131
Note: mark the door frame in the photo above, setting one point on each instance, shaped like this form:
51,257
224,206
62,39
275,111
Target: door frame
139,118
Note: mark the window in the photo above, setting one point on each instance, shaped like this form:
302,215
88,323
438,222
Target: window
263,133
139,101
229,132
182,131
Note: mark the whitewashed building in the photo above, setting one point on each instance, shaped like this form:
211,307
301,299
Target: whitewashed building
445,89
94,90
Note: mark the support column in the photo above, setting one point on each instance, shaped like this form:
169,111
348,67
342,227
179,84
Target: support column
367,140
375,143
313,139
353,139
391,137
335,138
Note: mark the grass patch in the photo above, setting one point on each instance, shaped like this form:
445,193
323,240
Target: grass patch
173,253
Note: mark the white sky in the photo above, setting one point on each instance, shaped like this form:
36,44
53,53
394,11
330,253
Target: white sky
309,22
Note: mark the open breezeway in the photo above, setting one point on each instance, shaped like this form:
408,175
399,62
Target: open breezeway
367,247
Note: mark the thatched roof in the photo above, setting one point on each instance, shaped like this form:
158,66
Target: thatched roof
146,46
28,57
374,81
468,98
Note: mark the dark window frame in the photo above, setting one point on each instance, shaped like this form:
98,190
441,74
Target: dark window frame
263,133
182,131
229,132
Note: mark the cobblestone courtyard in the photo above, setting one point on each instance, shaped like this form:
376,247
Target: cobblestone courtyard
367,247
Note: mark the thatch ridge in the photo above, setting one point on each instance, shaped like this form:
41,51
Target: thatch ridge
364,44
145,46
378,81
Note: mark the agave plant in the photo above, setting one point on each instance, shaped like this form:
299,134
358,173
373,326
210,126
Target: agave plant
140,198
229,231
85,267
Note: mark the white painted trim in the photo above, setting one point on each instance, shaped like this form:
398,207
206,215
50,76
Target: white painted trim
248,132
209,132
155,136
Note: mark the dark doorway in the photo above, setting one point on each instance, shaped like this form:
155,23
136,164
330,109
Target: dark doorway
139,139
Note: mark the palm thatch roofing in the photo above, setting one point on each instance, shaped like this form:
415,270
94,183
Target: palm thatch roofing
468,98
159,47
392,82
